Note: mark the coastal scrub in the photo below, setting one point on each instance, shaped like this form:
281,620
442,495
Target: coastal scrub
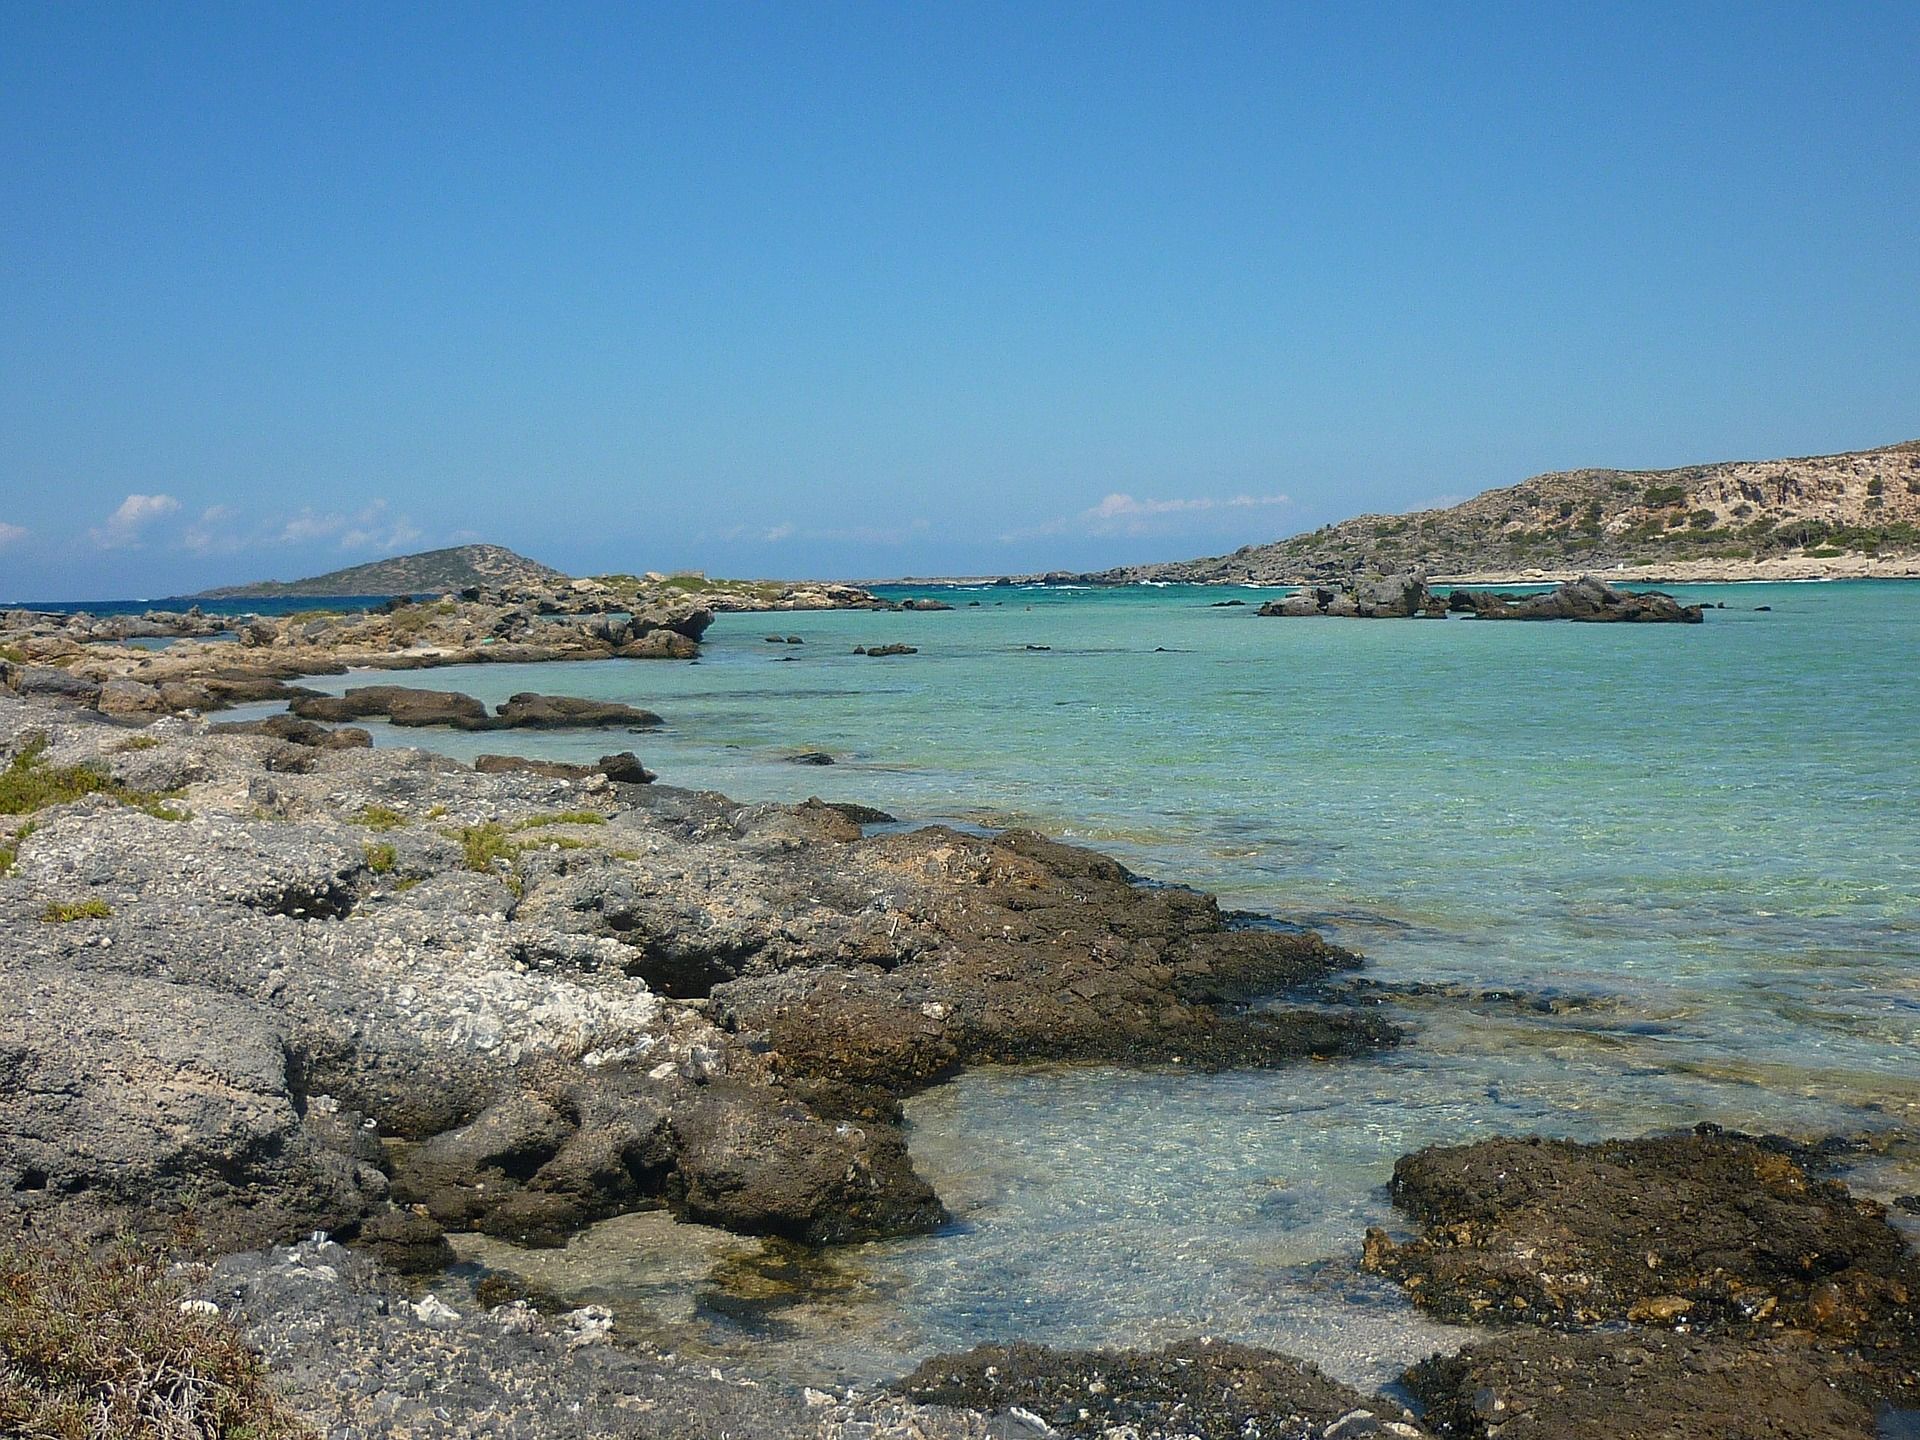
29,783
106,1343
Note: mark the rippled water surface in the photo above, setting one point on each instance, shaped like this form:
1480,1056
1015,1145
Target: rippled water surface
1692,854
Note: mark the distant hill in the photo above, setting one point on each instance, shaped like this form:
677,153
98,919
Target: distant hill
1865,503
430,572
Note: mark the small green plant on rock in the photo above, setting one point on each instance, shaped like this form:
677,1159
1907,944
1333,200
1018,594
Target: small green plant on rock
484,847
563,817
10,848
63,912
104,1343
380,819
29,783
381,858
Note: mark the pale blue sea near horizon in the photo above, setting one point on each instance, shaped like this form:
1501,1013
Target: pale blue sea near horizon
1691,852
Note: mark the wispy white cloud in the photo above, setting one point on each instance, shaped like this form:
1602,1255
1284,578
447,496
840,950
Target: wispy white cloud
308,527
857,534
223,530
377,531
126,525
1123,514
214,532
12,534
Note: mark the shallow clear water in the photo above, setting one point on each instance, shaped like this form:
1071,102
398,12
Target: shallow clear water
1700,842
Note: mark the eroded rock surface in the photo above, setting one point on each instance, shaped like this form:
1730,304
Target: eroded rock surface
1195,1388
357,1355
520,1002
1644,1385
1702,1227
1715,1288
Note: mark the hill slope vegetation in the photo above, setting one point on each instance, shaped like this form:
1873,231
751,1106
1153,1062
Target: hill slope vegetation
1864,503
431,572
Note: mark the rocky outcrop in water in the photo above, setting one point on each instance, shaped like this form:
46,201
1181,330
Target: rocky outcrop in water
1719,1287
1407,596
411,708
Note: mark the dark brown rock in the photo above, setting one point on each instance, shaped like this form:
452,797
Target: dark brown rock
528,711
1643,1385
1196,1388
626,769
1703,1227
298,732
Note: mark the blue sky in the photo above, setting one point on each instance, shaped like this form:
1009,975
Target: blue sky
864,289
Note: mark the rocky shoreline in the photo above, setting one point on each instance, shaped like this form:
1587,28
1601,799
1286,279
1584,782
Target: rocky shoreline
216,661
263,988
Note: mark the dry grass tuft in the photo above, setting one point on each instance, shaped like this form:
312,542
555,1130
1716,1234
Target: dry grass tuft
103,1344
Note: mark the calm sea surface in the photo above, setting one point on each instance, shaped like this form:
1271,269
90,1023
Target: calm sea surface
1684,860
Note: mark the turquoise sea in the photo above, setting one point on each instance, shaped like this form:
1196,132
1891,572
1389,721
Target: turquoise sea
1658,874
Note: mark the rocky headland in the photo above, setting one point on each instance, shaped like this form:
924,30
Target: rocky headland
1856,513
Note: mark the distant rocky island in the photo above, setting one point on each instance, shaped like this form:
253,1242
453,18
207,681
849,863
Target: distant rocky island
432,572
1819,516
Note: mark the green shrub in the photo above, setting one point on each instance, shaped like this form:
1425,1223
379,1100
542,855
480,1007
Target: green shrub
484,847
1658,497
13,653
381,858
1875,486
95,1344
62,912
